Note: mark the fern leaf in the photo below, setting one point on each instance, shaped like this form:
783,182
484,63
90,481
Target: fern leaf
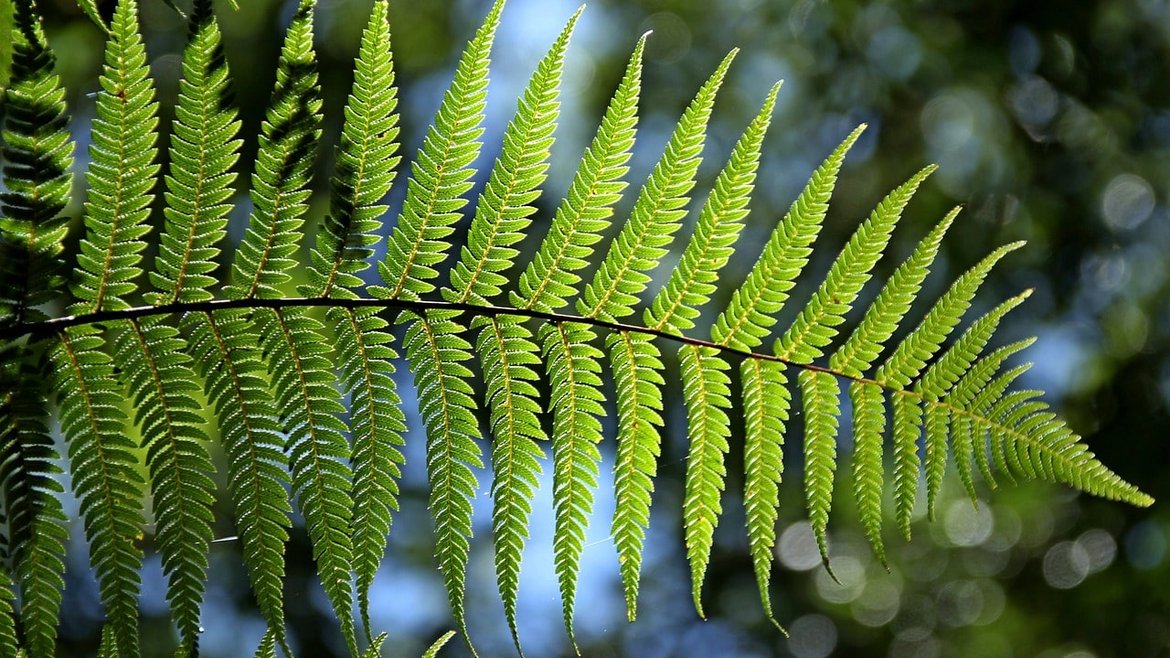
550,278
1032,442
302,376
968,443
433,650
574,374
375,648
441,174
159,376
267,646
766,403
971,384
884,315
938,422
657,214
637,375
911,355
40,556
121,174
751,312
366,164
907,418
505,207
691,284
508,355
962,446
981,405
365,358
8,645
35,519
942,375
161,382
820,399
365,171
284,162
105,477
707,396
436,353
869,426
229,361
90,8
204,148
38,157
816,326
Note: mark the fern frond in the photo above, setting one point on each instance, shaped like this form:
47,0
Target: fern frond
284,162
816,326
375,648
377,422
938,421
38,156
267,646
975,381
366,165
820,400
302,376
91,9
690,286
437,354
766,403
574,374
508,355
753,307
433,650
550,278
911,355
505,207
657,214
8,645
161,381
121,174
982,403
964,394
708,397
204,149
159,375
367,162
1031,442
869,426
440,174
228,359
105,476
35,519
907,418
884,315
942,375
637,375
962,447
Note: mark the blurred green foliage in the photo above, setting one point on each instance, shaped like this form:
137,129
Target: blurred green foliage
1051,123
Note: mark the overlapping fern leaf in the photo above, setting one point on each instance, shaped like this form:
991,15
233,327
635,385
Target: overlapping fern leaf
37,156
302,389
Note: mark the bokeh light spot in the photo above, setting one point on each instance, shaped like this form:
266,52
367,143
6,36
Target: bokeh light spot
968,525
1100,547
798,547
1126,202
850,572
812,636
1065,565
